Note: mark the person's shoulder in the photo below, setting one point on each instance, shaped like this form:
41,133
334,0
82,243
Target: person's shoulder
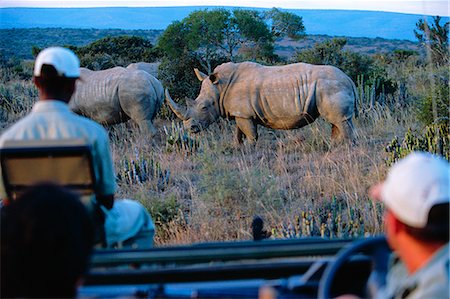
11,131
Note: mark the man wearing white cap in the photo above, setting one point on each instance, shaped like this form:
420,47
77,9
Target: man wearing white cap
416,195
55,73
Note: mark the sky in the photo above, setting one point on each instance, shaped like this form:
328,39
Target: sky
423,7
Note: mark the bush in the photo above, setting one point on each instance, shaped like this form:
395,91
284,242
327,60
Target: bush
115,51
434,107
434,139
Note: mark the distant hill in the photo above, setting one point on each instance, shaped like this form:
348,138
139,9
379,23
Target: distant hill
317,22
12,46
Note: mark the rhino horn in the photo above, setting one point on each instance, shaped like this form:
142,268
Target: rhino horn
180,112
200,76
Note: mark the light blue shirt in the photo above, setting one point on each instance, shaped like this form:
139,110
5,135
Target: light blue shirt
53,120
429,282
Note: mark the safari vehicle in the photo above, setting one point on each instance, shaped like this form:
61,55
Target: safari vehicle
289,268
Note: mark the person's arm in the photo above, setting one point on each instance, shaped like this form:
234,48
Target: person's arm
106,180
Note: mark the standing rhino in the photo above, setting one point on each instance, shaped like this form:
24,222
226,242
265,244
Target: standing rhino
277,97
118,94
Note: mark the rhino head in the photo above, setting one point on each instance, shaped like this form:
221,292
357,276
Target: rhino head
202,111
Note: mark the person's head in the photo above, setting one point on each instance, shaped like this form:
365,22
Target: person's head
416,194
56,70
46,242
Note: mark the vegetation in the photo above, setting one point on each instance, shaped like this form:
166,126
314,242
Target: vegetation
285,24
331,52
434,38
241,34
110,51
204,188
433,138
116,51
21,48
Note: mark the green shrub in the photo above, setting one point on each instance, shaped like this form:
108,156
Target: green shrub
434,139
434,108
163,210
177,75
115,51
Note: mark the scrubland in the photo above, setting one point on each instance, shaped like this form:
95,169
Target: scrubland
204,187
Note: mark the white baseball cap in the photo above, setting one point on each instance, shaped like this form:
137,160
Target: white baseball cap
413,186
63,60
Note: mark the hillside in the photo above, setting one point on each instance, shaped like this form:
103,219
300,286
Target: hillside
21,47
11,46
317,22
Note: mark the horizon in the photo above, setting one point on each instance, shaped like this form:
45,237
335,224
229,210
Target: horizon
430,8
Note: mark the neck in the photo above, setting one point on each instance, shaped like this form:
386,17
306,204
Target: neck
46,96
416,254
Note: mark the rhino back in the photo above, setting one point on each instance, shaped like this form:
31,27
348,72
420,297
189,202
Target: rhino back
281,96
96,95
149,67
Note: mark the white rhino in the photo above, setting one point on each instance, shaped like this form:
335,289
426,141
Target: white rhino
118,94
149,67
277,97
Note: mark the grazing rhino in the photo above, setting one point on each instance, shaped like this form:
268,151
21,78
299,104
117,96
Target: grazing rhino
118,94
277,97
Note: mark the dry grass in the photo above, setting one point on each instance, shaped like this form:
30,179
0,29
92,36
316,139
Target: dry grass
298,181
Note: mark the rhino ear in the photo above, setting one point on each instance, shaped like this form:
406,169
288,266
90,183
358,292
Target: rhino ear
214,79
200,75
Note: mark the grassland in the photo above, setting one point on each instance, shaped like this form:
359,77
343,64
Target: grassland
205,188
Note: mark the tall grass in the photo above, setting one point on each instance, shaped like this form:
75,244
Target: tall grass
16,97
298,181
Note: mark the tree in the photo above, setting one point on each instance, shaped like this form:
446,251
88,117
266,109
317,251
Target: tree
434,38
207,38
205,35
286,24
255,40
216,34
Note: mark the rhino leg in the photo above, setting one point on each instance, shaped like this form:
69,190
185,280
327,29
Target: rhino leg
147,127
344,130
334,132
246,127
